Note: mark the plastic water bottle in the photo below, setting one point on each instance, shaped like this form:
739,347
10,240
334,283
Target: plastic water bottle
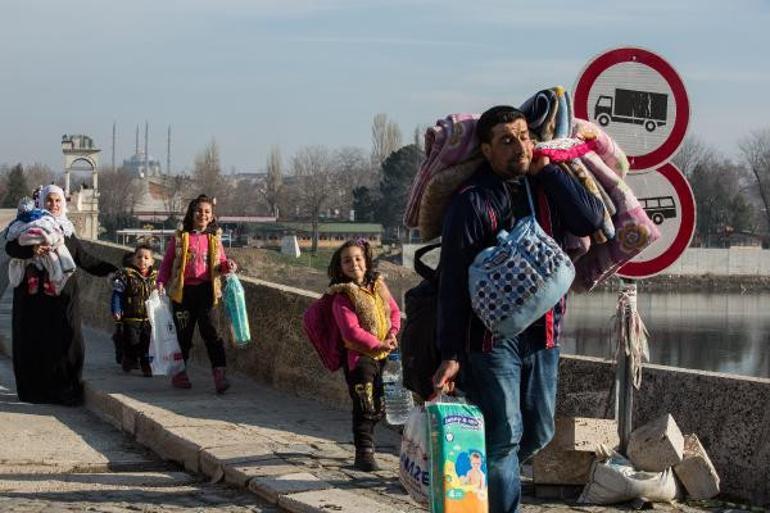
398,400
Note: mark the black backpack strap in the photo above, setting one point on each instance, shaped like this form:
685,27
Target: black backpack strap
420,267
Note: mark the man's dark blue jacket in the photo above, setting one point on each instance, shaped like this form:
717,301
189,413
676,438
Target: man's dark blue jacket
468,229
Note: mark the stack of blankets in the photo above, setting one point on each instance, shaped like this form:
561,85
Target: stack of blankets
578,147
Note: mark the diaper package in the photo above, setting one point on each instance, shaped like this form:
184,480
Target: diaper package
458,458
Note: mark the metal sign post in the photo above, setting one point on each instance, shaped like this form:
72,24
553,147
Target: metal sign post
631,350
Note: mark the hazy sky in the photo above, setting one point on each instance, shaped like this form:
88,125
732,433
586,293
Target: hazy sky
254,73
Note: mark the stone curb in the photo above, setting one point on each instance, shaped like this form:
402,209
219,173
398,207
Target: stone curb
252,466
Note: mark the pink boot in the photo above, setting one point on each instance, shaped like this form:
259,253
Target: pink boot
220,380
181,380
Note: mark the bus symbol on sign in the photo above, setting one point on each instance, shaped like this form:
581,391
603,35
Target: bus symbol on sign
659,208
629,106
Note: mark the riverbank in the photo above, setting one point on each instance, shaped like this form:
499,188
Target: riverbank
270,265
707,283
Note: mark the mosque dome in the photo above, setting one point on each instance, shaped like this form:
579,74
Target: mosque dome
140,167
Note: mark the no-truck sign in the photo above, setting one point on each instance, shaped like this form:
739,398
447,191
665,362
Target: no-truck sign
666,196
639,100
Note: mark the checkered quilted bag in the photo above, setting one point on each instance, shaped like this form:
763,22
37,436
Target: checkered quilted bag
517,281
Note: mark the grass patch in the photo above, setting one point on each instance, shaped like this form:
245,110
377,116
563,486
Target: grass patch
318,260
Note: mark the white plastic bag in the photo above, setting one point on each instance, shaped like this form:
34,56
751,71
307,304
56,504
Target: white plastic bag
616,480
165,355
414,469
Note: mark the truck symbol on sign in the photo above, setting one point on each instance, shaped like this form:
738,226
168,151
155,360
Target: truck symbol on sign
659,208
629,106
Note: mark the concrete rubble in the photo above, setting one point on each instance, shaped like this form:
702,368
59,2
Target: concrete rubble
567,459
657,445
696,472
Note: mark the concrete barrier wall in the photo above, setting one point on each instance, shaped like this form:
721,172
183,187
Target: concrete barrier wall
730,414
737,261
278,355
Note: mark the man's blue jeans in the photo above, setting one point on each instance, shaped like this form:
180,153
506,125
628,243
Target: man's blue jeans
514,385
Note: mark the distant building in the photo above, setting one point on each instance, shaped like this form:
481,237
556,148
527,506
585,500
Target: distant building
330,235
81,155
139,167
79,142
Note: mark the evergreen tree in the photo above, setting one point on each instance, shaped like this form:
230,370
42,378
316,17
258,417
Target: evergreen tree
365,205
16,187
398,172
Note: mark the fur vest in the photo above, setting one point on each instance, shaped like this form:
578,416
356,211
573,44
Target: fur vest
373,310
175,287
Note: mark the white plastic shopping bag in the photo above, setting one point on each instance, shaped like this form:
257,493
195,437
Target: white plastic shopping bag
414,469
165,355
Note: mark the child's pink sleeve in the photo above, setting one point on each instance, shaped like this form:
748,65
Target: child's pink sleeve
168,259
395,317
347,321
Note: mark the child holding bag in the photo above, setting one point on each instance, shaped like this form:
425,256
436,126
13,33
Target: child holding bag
190,274
131,287
368,319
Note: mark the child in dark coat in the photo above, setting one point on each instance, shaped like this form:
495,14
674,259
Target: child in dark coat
131,288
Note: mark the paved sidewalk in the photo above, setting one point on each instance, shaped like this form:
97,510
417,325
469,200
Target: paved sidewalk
294,452
60,459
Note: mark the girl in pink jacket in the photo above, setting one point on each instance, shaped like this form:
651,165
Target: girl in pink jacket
368,319
190,275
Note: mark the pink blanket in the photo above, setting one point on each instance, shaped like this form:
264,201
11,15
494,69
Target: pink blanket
451,141
634,230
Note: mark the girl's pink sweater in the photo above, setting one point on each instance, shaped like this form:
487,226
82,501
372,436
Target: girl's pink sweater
196,271
347,321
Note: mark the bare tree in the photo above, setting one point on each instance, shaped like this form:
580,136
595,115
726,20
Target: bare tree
355,171
118,191
290,200
271,188
386,138
4,170
723,205
16,187
354,167
756,151
39,174
175,189
207,172
317,182
419,137
243,201
691,153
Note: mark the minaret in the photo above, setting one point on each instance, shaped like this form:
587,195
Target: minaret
146,154
168,152
136,151
113,145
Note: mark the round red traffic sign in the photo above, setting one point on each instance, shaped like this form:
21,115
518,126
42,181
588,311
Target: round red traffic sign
666,196
639,100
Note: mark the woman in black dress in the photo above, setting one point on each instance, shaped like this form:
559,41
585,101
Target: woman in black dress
47,338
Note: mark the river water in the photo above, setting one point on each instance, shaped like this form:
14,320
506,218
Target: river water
716,332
